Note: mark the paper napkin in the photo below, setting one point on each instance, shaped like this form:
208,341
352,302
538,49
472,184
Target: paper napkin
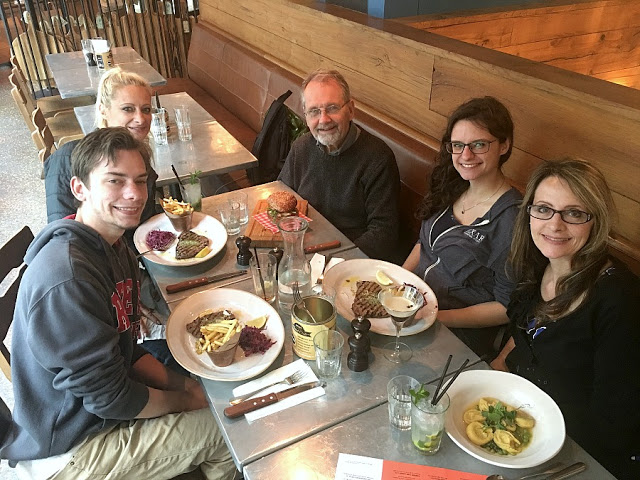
274,376
318,264
265,220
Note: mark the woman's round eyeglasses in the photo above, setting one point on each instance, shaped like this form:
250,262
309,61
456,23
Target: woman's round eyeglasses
573,216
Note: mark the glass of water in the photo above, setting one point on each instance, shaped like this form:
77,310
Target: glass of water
230,219
400,400
328,346
239,200
159,126
183,121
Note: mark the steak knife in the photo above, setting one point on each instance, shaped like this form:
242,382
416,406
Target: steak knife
196,282
252,404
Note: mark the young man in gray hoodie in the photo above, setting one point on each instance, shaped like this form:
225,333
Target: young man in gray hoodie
90,401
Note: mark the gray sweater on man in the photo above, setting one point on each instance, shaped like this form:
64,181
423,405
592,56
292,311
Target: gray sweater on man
356,190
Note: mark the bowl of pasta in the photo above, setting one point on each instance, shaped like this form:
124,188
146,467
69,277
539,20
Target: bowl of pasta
503,419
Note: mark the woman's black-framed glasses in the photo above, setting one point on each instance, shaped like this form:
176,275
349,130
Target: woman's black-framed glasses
477,146
573,216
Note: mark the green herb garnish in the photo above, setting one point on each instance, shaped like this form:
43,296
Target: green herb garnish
419,394
194,177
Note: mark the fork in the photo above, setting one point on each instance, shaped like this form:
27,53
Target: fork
320,279
295,377
298,300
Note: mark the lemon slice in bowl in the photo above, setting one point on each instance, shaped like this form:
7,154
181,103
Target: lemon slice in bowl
258,322
383,279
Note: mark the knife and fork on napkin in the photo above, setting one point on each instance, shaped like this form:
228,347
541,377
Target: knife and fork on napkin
271,394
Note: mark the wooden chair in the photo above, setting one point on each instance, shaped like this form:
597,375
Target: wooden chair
64,124
45,145
50,105
21,103
5,420
11,257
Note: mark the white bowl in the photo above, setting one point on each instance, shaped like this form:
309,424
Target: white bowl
548,433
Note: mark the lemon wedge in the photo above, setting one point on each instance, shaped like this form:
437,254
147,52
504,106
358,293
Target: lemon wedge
203,253
382,278
259,322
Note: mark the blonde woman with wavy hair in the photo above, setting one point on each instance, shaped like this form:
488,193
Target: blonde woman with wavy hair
575,312
124,99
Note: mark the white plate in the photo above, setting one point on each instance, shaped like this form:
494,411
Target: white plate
245,306
201,224
548,433
343,277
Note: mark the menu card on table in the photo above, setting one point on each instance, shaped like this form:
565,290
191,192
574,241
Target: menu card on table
355,467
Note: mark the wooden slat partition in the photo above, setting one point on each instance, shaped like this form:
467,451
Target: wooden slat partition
598,38
413,80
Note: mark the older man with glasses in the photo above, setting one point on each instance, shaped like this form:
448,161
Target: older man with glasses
349,175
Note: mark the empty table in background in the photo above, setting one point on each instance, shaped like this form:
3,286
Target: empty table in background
74,78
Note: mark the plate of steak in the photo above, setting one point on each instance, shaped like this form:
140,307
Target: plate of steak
205,231
357,285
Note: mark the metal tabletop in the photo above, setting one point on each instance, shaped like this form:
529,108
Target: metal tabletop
369,434
86,114
321,230
74,78
351,394
212,150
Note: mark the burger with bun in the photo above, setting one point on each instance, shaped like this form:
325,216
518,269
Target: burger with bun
281,204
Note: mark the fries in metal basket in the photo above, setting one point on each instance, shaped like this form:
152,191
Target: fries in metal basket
215,335
175,207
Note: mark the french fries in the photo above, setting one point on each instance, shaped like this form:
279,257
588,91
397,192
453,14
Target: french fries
175,207
215,335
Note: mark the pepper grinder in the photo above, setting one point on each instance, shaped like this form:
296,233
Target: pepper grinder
244,254
360,345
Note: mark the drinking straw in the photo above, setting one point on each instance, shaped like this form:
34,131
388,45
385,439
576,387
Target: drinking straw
176,174
157,100
455,375
444,374
264,293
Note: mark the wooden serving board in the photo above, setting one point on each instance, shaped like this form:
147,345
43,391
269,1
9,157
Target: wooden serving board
260,236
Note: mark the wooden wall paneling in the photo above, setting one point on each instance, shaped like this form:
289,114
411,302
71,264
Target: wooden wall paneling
587,54
629,77
389,75
547,25
627,220
515,27
548,124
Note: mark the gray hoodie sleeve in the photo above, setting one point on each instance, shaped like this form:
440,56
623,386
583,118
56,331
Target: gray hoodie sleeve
70,334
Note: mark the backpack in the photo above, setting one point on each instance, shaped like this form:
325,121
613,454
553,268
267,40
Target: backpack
272,143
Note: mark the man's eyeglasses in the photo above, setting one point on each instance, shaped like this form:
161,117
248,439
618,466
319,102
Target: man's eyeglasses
331,109
542,212
477,146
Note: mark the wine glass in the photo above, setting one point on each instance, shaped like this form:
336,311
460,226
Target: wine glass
401,303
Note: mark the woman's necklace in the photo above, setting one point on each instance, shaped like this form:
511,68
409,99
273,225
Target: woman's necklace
465,209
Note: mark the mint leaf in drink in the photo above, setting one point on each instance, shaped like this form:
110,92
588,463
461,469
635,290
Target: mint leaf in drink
194,176
418,394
